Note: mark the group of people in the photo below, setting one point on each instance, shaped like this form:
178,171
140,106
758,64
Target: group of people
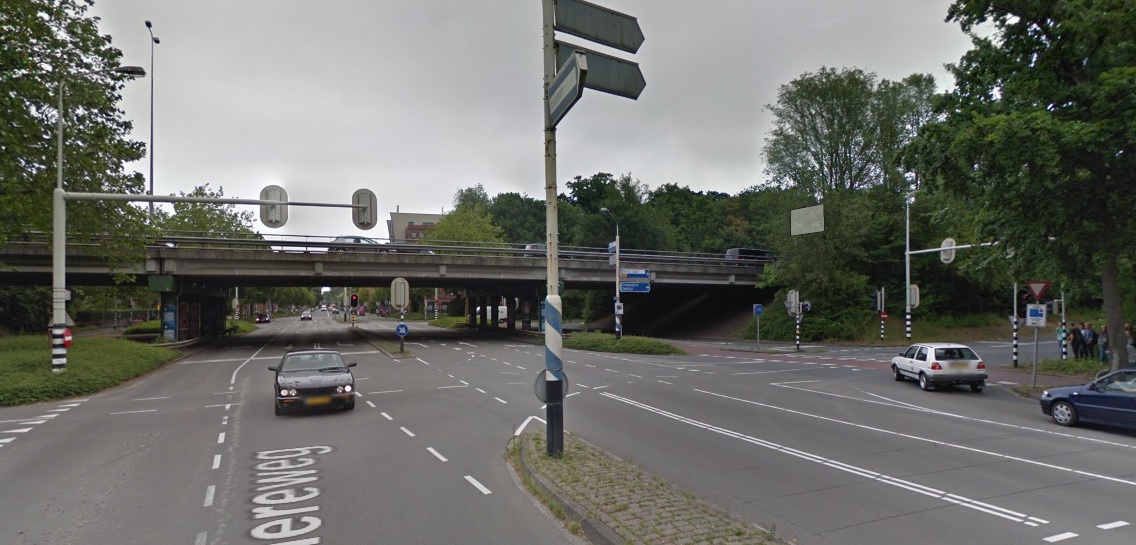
1087,343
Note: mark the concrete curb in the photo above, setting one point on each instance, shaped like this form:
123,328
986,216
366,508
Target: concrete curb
594,531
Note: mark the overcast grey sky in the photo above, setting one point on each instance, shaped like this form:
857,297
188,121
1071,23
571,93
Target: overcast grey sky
417,99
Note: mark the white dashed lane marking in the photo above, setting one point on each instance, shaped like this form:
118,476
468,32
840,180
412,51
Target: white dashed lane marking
216,461
209,492
1113,525
437,454
406,431
478,485
371,404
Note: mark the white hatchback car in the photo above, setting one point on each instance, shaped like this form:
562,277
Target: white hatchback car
934,364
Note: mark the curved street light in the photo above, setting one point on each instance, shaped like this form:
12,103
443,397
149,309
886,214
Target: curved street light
153,41
618,313
59,227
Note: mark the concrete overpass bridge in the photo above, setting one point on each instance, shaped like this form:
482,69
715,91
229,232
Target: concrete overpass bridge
200,270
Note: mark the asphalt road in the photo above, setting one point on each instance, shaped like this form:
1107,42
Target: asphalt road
823,446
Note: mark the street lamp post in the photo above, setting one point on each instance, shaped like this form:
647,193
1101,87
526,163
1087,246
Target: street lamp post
59,227
618,306
153,41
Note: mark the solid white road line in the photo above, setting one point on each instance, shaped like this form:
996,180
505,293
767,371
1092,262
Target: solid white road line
501,400
436,454
209,495
818,459
454,386
371,404
220,438
63,410
1113,525
135,412
216,461
406,431
387,416
479,486
384,392
150,398
936,442
21,430
1060,537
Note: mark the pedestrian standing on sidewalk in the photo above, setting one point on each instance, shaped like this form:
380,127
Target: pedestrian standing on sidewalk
1090,338
1077,342
1102,340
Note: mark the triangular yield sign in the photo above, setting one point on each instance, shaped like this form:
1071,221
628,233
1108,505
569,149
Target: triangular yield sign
1037,288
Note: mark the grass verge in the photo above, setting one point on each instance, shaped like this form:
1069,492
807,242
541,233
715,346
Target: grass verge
450,322
93,364
1086,369
605,342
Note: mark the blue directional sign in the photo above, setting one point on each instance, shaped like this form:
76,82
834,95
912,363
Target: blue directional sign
758,310
567,88
635,287
634,273
402,330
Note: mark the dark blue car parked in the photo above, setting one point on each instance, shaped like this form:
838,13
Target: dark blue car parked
1109,400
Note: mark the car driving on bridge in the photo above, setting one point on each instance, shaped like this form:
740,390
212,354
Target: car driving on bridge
313,378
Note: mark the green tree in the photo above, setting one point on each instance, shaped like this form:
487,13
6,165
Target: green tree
200,219
47,43
520,217
470,220
1037,135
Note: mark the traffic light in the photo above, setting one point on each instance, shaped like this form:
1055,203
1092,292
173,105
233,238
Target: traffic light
876,301
806,306
1024,299
354,300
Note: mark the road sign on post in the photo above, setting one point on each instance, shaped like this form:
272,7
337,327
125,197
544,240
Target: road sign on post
568,86
792,301
400,293
913,295
1037,288
599,24
365,217
274,216
606,74
603,73
635,273
634,287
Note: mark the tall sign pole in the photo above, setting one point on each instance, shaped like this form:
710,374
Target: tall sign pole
553,336
562,89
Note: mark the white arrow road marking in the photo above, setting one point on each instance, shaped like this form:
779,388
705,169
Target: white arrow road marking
521,428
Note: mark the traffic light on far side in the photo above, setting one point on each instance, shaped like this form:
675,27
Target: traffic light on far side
1024,298
354,300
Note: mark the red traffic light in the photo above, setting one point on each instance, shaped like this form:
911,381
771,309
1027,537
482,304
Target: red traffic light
354,300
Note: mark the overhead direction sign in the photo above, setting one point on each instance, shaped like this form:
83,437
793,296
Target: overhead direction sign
606,73
599,24
568,86
635,287
1037,288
